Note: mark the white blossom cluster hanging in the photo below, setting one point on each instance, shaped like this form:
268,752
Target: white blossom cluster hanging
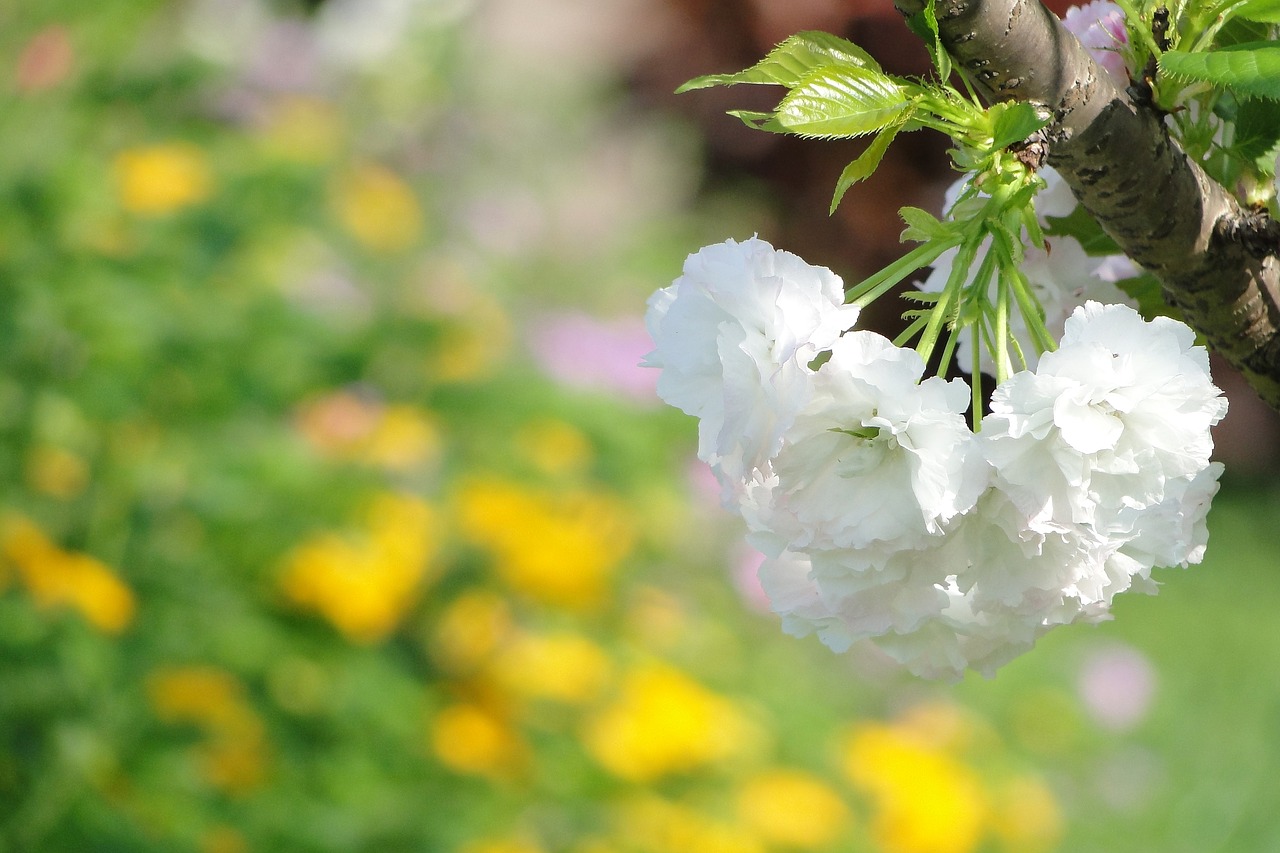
885,517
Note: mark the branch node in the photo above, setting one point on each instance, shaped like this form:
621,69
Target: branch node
1252,229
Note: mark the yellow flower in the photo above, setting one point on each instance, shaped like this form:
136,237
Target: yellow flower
403,439
56,472
925,800
205,695
58,578
563,667
306,130
559,549
344,426
223,839
470,630
554,447
664,722
468,738
501,845
654,825
365,582
473,344
159,179
232,754
377,208
789,808
1026,817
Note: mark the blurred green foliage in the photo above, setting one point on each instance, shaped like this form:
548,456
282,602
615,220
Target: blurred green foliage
301,550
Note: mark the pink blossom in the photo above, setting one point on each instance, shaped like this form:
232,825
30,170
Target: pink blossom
1117,685
582,351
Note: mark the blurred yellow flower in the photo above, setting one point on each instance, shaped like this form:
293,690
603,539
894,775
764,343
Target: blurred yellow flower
159,179
306,130
471,739
403,438
474,343
199,694
232,755
563,667
58,578
557,548
665,722
56,471
925,800
554,447
1026,817
396,437
364,582
501,845
470,630
655,619
654,825
377,208
790,808
223,839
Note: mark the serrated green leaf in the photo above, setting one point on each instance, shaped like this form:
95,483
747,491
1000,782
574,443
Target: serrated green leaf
1257,138
1251,69
1014,122
844,102
866,163
758,121
922,226
920,296
1262,11
792,60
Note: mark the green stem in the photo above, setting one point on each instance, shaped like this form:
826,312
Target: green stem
876,285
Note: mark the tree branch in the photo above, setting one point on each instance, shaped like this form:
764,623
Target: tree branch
1216,261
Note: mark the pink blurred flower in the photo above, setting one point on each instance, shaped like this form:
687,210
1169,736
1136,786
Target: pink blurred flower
585,352
746,579
1100,27
1117,685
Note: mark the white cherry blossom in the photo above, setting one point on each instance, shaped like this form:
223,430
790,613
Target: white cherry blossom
876,461
734,336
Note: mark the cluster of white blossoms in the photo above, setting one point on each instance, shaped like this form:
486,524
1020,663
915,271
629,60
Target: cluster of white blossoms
886,518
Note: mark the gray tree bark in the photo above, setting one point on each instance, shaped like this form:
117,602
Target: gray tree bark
1216,261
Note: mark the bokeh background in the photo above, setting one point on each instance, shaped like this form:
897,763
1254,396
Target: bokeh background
335,514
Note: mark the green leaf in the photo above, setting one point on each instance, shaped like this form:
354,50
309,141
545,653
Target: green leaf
844,102
864,432
1250,69
791,61
1257,139
1014,122
758,121
1263,11
1085,229
866,164
1147,291
925,25
922,226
